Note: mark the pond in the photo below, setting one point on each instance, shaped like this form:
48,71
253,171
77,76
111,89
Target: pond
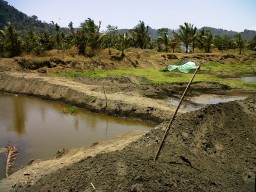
39,128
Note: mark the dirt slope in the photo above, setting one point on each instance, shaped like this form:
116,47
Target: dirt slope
213,149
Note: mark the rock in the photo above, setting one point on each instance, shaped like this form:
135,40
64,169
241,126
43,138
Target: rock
26,174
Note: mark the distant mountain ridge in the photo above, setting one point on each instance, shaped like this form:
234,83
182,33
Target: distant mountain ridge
246,34
22,22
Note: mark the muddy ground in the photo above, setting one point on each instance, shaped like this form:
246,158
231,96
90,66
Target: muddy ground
212,149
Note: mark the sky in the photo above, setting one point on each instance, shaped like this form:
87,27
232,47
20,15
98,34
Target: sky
235,15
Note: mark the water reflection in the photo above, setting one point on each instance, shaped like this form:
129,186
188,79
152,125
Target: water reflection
19,116
248,79
39,128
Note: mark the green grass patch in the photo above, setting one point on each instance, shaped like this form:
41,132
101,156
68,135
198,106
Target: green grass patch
209,72
227,69
70,110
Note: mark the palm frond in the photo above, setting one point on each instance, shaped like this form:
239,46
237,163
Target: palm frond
11,154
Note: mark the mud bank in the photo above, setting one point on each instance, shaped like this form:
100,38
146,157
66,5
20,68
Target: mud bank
212,149
91,97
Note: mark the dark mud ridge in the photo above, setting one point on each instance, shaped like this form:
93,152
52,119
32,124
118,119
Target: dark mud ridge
212,149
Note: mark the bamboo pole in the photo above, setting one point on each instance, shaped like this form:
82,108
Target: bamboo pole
175,113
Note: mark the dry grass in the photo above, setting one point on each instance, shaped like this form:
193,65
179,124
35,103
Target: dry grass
11,154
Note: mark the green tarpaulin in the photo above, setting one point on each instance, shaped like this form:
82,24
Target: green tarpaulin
185,68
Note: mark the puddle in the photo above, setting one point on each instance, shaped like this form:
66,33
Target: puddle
197,102
214,99
39,128
186,105
248,79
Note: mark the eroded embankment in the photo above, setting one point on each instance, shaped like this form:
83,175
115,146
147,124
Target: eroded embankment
86,96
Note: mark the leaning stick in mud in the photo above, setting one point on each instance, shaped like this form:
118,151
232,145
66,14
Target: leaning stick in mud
175,113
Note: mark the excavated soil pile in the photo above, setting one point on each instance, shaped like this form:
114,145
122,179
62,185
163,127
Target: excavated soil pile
213,149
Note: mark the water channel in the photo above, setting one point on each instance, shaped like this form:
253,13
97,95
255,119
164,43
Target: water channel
39,128
197,102
251,79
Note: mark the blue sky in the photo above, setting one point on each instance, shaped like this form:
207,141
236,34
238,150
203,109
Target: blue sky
235,15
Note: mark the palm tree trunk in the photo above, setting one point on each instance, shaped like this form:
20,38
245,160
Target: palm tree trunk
186,48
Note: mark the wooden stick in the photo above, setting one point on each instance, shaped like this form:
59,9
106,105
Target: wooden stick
175,113
106,99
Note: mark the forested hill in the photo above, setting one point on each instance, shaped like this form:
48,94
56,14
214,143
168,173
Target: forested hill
246,34
21,21
24,23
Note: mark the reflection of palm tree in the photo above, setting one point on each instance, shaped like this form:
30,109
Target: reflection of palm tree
106,133
76,122
19,119
42,112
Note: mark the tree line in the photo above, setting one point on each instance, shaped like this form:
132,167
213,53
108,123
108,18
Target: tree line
88,39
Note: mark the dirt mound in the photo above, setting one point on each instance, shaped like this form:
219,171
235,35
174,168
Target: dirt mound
213,149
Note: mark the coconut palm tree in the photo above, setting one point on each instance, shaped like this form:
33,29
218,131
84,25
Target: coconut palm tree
140,35
223,43
174,43
187,35
11,44
58,36
205,40
88,36
109,38
164,38
252,44
2,40
123,43
47,41
240,42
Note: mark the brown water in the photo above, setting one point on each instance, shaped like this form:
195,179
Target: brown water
39,128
